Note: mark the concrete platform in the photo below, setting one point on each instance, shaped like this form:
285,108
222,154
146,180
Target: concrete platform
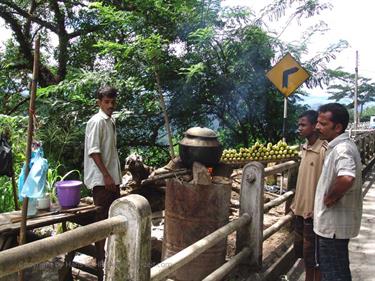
362,248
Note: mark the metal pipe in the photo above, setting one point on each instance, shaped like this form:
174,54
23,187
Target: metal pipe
27,255
171,264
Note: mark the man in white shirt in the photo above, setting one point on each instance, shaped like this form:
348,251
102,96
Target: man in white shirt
102,173
338,198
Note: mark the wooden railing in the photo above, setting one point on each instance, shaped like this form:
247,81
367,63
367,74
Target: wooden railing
178,260
366,146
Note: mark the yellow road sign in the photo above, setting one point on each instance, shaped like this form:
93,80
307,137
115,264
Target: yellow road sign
287,75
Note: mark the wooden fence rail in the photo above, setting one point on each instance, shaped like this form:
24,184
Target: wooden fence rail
277,226
18,258
128,217
278,201
186,255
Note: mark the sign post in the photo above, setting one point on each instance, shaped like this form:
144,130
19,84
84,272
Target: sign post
285,116
287,75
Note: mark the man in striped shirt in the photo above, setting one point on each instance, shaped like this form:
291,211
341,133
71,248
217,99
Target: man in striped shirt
338,198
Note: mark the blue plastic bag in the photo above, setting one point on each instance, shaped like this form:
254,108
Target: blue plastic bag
34,185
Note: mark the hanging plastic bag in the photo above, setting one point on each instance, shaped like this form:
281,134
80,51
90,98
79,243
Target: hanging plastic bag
34,185
5,157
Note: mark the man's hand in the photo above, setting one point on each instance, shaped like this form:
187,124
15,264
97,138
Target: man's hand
109,183
329,202
340,186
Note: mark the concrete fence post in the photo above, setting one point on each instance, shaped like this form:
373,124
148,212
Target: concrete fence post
129,253
251,202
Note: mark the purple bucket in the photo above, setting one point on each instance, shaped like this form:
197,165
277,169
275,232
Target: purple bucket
68,193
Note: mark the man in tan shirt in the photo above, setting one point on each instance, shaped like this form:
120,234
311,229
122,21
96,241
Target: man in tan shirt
313,151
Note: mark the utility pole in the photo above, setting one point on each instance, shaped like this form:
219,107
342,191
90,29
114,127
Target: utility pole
356,119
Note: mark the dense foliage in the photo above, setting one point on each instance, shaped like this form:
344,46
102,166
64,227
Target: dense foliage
207,61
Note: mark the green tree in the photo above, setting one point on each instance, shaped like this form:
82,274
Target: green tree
147,64
207,61
14,128
67,20
367,113
342,87
224,78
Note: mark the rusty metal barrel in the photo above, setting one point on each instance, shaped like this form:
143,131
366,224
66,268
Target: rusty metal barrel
191,213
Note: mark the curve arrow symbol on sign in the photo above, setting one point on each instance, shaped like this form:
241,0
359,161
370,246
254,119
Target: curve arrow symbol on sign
286,74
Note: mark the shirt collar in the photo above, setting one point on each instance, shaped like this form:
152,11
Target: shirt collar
103,114
315,147
338,139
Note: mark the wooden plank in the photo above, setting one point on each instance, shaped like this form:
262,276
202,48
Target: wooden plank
35,222
242,163
165,176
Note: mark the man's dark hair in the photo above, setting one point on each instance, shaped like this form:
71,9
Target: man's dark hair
340,114
311,115
106,91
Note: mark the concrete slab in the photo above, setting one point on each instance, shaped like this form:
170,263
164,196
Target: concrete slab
362,248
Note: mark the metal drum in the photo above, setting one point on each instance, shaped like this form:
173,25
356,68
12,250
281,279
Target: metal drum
191,213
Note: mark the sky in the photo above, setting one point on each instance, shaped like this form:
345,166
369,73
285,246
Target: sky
349,20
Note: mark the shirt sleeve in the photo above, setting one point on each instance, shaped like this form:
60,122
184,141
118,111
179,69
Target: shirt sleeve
345,163
93,137
322,154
